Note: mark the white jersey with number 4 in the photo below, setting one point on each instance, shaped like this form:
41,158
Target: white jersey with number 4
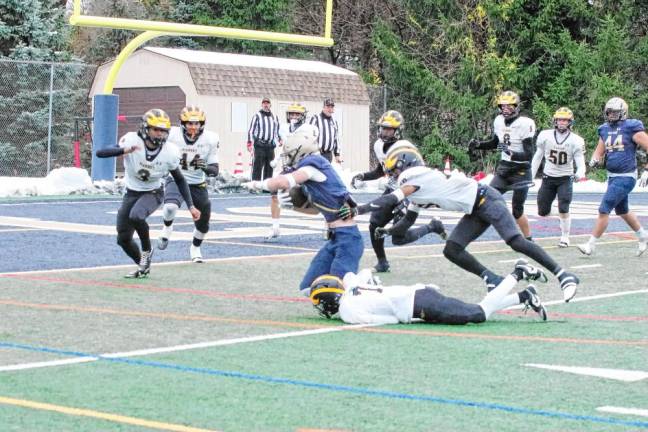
205,147
560,151
513,134
145,173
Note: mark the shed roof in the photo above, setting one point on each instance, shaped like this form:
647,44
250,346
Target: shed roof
224,74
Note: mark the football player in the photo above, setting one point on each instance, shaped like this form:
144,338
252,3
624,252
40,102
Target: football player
390,130
513,135
560,148
482,206
360,299
147,159
619,137
198,160
295,118
326,192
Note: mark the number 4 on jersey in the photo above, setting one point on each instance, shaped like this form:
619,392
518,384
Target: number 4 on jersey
193,163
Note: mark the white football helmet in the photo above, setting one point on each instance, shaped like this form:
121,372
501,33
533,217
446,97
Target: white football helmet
616,109
298,145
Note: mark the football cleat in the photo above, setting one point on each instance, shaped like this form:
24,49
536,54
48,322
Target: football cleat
530,272
196,255
382,266
273,234
135,274
145,262
564,242
643,245
165,235
436,226
586,248
533,302
568,284
492,280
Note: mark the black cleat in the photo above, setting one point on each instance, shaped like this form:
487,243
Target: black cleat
382,266
529,272
436,226
492,280
533,302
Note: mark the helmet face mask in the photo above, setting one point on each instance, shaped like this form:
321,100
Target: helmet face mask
508,104
155,127
401,156
325,294
616,109
563,119
301,143
390,126
192,120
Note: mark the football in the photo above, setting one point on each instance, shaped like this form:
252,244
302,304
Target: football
298,198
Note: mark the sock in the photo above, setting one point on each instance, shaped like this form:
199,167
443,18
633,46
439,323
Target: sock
592,240
275,223
641,233
495,300
198,237
565,226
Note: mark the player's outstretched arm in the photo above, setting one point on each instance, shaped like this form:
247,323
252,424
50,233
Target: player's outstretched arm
115,151
183,187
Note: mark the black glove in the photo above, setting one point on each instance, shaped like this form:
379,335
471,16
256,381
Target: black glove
381,233
473,144
200,164
357,181
345,212
504,148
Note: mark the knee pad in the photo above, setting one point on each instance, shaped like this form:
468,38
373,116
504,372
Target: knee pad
518,210
451,249
198,234
543,209
516,243
169,211
123,238
563,206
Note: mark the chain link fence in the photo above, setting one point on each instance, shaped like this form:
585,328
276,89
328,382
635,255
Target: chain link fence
44,109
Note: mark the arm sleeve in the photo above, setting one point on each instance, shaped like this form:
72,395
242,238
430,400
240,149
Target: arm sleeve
183,186
110,152
579,159
374,174
526,153
488,144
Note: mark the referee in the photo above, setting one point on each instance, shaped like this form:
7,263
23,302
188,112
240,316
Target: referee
328,131
262,134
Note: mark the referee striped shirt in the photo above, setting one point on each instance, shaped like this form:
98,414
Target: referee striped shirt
328,133
263,127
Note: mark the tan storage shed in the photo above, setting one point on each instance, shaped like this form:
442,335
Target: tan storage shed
229,88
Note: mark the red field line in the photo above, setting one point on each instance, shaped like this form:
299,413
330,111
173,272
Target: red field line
88,282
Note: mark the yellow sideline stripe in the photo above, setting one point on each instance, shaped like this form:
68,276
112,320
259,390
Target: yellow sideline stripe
100,415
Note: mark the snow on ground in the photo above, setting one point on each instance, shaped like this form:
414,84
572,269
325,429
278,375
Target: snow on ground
71,181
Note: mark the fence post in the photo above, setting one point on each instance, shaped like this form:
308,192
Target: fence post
49,123
104,134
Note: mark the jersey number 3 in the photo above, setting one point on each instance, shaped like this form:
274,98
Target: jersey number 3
557,157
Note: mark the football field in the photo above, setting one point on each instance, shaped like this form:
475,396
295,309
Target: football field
229,345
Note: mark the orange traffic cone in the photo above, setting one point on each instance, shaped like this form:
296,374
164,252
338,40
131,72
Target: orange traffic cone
238,166
446,169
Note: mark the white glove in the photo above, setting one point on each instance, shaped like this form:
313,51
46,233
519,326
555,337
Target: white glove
643,180
593,163
284,199
253,186
357,181
273,163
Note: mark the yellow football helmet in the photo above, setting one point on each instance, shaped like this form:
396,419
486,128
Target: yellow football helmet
298,108
563,113
390,120
401,156
325,294
192,113
512,99
158,119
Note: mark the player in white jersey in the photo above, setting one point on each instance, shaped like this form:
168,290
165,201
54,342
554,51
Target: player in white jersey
198,150
147,159
390,130
361,299
560,148
295,118
513,135
482,206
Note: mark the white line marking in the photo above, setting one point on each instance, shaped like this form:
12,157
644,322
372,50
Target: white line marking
582,299
508,261
200,345
615,374
621,410
19,229
587,266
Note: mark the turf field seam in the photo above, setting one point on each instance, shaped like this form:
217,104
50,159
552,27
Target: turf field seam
341,388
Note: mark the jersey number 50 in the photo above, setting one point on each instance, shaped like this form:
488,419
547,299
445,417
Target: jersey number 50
557,157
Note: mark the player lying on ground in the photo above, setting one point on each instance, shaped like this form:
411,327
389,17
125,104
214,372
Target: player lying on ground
482,206
360,300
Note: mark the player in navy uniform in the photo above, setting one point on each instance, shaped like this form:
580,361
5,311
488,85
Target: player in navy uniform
482,206
326,194
361,299
198,160
147,159
513,135
617,144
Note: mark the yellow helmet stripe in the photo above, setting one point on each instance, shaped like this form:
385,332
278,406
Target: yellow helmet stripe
319,291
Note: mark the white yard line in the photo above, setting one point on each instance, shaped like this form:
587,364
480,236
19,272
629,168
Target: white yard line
614,374
621,410
587,266
177,348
